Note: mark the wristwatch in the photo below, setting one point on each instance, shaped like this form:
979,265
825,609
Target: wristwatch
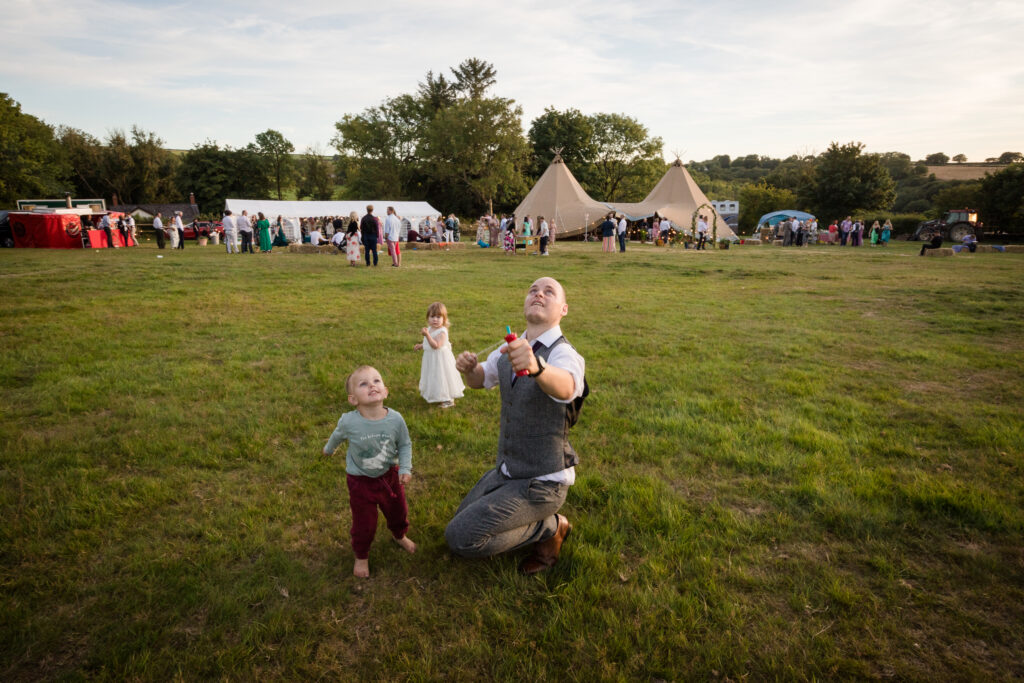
541,365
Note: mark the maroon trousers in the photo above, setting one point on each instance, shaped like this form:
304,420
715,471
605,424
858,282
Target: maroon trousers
365,495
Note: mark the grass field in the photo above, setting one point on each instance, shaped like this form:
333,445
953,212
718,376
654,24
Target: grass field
796,464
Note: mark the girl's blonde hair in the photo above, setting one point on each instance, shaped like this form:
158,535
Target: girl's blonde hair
437,308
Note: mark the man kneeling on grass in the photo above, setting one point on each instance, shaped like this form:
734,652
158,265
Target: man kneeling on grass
516,504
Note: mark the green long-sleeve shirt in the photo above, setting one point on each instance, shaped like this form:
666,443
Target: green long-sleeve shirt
374,446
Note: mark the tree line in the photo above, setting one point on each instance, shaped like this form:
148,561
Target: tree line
455,144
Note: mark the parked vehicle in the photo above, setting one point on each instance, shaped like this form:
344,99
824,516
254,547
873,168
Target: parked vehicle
205,228
953,226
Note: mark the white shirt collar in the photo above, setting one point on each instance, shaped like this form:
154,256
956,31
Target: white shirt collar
548,337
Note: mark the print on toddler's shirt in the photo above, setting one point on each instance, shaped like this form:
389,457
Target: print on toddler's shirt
377,461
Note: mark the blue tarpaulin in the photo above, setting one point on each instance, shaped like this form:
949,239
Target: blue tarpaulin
779,216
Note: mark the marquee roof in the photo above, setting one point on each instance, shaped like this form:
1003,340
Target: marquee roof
273,208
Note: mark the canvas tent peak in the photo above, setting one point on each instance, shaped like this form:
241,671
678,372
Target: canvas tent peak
559,197
678,198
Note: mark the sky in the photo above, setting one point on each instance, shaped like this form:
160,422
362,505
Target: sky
729,77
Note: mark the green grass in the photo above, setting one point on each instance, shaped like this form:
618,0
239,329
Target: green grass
795,464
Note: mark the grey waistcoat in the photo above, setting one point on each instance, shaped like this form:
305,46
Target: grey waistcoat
534,436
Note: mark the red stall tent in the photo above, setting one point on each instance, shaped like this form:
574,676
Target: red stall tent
60,229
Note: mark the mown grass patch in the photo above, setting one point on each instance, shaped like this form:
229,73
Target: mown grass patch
795,464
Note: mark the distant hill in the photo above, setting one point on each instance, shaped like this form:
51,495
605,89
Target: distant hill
964,171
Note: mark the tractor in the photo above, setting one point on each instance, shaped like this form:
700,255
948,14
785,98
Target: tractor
954,226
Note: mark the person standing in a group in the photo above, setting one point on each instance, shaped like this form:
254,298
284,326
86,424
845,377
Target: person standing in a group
702,233
873,235
449,229
263,225
158,230
245,229
545,234
122,226
368,227
230,234
886,233
352,240
393,233
179,228
133,229
105,227
622,233
857,233
608,233
844,231
509,241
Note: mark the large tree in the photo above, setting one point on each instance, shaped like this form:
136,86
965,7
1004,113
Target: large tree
277,151
134,167
936,159
960,196
569,131
845,180
379,149
1011,157
1002,199
627,161
448,141
215,174
316,175
760,198
473,153
31,162
473,77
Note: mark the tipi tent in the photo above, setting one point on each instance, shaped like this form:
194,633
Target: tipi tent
558,197
676,197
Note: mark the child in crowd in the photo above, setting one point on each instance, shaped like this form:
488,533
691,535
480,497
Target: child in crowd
352,237
440,382
378,464
510,239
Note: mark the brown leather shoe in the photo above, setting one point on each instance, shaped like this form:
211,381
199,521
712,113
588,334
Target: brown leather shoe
545,553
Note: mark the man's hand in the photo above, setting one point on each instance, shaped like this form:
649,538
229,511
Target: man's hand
469,365
466,362
520,355
404,479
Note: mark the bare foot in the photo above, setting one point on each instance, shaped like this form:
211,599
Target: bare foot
362,568
407,544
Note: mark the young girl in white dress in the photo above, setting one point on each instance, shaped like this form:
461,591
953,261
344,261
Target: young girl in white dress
440,382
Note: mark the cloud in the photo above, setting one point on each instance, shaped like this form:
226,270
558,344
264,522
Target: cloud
732,77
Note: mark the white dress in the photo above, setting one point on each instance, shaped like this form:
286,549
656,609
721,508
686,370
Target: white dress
439,380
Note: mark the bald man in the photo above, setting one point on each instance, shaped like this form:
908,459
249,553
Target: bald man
516,504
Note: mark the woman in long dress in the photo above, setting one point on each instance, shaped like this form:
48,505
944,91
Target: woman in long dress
352,240
263,225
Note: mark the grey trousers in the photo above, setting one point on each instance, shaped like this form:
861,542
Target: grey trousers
501,514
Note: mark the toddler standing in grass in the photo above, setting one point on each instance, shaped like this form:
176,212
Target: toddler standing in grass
440,382
378,464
